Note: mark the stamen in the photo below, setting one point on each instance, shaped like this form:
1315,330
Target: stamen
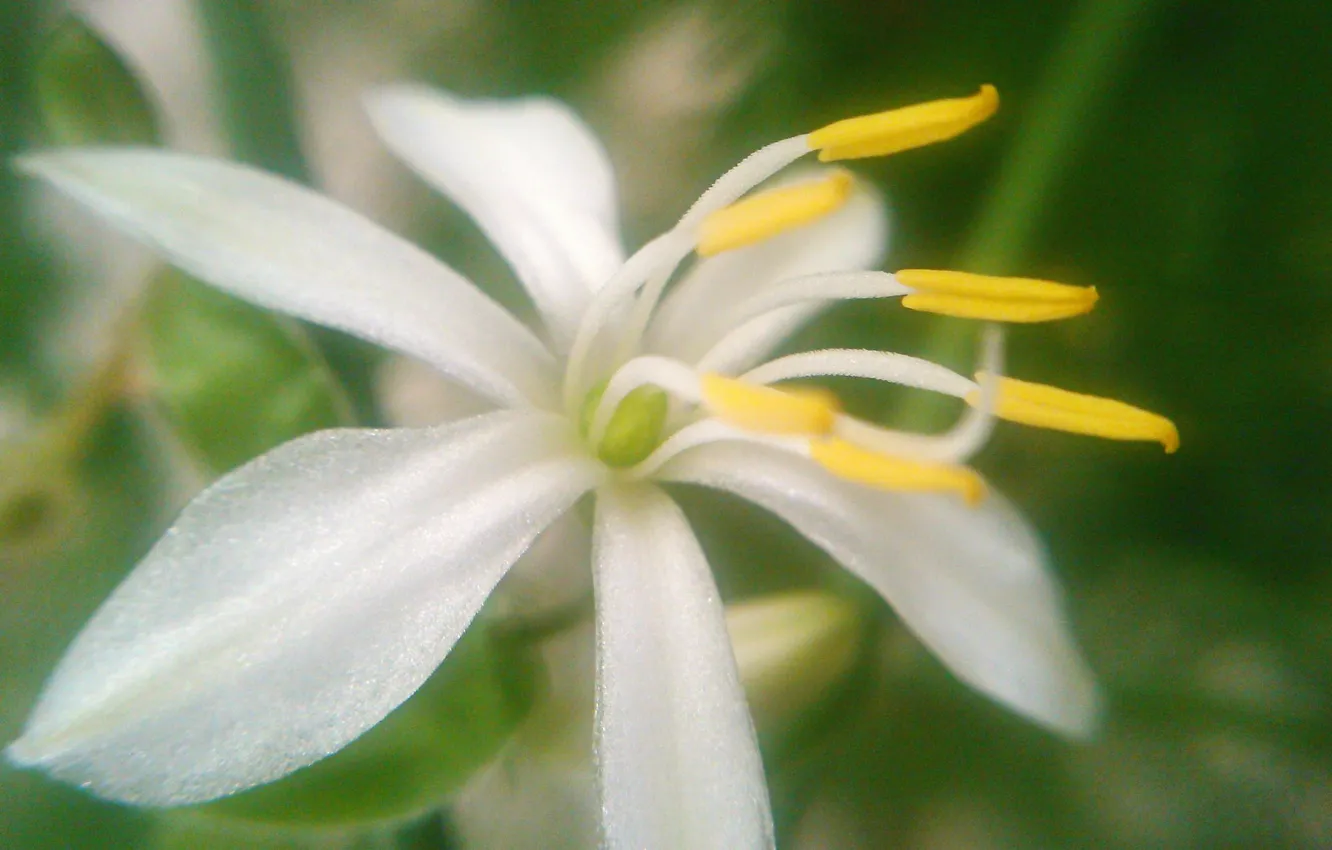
956,445
804,412
902,129
999,299
825,286
783,211
891,473
1049,407
862,363
697,311
658,258
662,253
740,346
745,175
973,431
788,303
770,213
641,313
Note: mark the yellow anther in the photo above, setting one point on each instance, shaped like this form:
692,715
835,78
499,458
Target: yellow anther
902,129
997,299
774,211
803,412
1049,407
848,461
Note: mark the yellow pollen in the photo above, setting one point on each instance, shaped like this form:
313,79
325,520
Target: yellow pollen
774,211
803,412
902,129
1049,407
996,299
853,463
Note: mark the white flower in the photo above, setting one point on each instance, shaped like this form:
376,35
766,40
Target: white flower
301,598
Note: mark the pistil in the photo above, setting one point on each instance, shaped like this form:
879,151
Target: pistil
632,432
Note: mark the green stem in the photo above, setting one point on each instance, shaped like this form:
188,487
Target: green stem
1098,41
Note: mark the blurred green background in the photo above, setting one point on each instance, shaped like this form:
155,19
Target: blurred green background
1174,153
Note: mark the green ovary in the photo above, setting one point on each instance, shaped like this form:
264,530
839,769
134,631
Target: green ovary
634,429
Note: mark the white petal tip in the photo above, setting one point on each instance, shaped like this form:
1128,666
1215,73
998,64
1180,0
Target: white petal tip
1076,713
1084,721
33,163
25,753
64,167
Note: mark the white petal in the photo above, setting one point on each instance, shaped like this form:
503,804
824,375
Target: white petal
695,316
295,603
532,176
971,582
293,250
676,749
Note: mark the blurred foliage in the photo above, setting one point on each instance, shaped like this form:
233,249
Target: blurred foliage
1192,190
234,380
254,86
86,93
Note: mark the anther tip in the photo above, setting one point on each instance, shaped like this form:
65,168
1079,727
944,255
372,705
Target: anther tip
895,130
988,99
1169,437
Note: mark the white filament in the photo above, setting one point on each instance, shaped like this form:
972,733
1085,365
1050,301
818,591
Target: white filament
859,363
659,256
710,431
827,286
657,260
745,175
751,340
956,445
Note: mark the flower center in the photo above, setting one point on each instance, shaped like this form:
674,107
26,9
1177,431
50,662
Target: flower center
623,419
634,429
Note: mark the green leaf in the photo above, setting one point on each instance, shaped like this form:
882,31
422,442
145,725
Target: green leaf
427,748
88,95
234,380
